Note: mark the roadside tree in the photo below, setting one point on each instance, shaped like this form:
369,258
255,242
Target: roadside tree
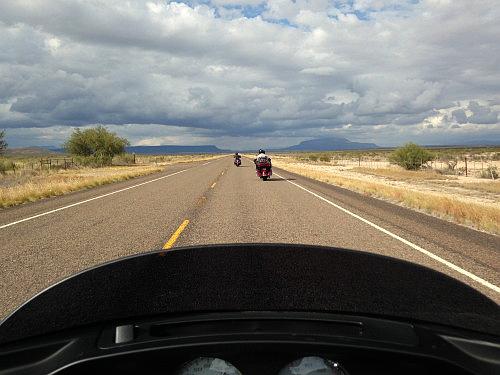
411,156
96,145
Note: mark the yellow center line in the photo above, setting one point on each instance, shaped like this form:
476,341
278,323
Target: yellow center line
176,235
215,183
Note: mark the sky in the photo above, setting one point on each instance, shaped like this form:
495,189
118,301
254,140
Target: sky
250,73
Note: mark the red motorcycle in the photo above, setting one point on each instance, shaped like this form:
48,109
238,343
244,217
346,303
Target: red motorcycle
264,169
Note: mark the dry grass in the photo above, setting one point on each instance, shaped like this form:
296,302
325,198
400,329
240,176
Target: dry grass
487,187
400,174
59,182
473,214
28,185
174,159
490,186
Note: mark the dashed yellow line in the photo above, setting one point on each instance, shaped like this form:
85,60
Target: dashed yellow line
176,235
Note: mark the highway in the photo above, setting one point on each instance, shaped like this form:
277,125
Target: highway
215,202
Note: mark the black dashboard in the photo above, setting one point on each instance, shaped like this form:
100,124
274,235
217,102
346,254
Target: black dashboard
235,343
254,309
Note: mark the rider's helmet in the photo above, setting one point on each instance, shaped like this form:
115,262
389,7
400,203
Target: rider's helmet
261,151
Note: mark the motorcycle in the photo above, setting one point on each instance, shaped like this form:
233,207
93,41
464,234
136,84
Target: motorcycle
237,162
264,169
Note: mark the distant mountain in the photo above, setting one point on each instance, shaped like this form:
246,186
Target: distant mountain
32,151
471,143
330,144
483,142
169,149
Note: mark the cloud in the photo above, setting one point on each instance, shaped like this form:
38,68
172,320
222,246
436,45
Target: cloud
482,114
459,116
201,71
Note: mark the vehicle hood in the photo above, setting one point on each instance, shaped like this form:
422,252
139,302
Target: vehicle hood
253,277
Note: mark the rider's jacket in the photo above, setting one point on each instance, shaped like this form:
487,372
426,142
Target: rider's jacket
262,158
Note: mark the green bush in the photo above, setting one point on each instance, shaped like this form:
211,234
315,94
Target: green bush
96,143
490,172
93,161
325,158
124,159
313,157
7,165
3,144
410,156
451,159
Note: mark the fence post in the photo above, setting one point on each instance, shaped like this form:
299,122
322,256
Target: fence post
465,160
359,161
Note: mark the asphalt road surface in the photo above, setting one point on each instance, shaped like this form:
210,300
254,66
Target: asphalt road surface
215,202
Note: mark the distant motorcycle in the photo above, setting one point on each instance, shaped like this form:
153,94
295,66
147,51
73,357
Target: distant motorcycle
264,169
237,162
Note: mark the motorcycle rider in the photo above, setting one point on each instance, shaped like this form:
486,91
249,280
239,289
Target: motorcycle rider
262,157
237,157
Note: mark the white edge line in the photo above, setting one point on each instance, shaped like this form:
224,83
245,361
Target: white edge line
406,242
89,200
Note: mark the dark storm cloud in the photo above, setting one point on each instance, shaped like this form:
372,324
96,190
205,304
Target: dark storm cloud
482,114
459,116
